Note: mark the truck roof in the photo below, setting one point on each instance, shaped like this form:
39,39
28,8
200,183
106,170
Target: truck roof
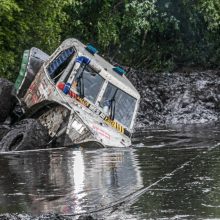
106,68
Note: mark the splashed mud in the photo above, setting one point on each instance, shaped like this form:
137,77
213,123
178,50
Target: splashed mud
173,98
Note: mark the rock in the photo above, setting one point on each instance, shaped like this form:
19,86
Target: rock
175,98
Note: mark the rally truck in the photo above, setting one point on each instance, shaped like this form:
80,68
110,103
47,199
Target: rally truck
78,96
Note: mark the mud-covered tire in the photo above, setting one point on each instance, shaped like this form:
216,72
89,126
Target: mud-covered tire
7,99
28,134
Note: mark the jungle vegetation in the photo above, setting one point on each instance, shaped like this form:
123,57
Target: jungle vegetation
159,35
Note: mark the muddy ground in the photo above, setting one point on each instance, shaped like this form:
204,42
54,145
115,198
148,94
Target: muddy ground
178,98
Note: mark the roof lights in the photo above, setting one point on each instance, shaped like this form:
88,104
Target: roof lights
91,49
119,70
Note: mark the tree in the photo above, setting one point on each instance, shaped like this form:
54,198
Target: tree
25,24
7,10
155,34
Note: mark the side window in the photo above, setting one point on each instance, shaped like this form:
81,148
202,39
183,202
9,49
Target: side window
58,65
91,82
125,106
108,95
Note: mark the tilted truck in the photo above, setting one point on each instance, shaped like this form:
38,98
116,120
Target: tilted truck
78,96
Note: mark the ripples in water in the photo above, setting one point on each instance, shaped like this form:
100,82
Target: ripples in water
169,173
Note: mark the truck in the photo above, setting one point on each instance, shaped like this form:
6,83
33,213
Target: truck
78,96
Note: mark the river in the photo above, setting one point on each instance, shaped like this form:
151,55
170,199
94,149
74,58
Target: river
168,173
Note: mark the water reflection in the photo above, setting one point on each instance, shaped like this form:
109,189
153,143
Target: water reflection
175,173
67,181
192,155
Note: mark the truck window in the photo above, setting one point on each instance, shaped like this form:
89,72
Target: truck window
124,104
59,64
92,82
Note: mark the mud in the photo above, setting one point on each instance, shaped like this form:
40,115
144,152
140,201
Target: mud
178,98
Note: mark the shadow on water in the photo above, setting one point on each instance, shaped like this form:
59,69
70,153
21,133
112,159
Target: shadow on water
170,173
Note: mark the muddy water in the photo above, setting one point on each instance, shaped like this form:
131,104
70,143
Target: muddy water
170,173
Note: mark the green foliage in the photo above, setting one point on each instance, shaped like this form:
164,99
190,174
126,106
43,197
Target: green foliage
211,13
7,8
95,21
24,24
155,34
138,15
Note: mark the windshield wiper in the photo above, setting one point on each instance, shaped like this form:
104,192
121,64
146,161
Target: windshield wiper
80,83
112,106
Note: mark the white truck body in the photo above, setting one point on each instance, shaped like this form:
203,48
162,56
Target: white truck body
81,98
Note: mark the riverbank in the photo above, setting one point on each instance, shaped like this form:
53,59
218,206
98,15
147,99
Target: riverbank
177,98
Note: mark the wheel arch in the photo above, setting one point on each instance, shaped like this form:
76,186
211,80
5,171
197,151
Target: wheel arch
38,109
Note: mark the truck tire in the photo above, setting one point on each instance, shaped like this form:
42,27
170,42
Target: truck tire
7,99
28,134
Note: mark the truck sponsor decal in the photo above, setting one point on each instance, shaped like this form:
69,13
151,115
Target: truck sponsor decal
101,132
110,122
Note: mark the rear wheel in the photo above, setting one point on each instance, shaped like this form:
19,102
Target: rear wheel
28,134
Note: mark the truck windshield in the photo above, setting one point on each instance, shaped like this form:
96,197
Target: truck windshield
124,104
92,82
